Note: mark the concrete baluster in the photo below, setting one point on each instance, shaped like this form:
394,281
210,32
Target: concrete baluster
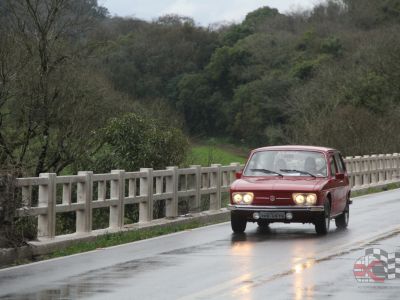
84,195
146,189
194,202
171,210
132,187
381,168
396,166
388,167
101,190
215,198
358,176
47,198
117,192
159,184
66,195
374,170
366,171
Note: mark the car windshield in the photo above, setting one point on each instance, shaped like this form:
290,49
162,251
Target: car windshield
287,163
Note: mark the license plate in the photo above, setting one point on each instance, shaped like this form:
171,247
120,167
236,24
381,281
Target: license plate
272,215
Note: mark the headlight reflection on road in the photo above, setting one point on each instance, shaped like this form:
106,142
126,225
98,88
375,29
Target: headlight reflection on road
298,268
245,287
242,254
302,291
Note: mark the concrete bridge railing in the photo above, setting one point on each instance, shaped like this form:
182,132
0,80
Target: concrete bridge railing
373,170
86,191
57,194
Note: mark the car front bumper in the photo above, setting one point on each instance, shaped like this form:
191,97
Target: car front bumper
300,214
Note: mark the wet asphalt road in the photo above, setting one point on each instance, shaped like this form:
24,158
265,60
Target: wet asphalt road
285,262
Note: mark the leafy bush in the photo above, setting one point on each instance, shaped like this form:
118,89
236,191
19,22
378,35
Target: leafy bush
134,141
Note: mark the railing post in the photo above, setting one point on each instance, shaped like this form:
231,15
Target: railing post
374,169
215,199
171,209
381,167
195,201
388,167
366,177
47,198
395,166
117,192
358,176
85,195
66,195
146,189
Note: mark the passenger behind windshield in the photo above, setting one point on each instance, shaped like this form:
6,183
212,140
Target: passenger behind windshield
286,163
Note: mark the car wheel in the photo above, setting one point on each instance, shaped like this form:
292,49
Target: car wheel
342,221
238,223
323,222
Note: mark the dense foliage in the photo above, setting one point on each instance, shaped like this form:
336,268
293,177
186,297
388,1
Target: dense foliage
133,141
327,76
77,86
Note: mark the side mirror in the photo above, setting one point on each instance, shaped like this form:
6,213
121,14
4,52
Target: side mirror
239,174
340,176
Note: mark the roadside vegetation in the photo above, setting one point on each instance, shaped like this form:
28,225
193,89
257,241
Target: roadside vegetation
209,153
76,82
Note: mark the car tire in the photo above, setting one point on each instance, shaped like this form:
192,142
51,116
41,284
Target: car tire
323,222
238,223
342,221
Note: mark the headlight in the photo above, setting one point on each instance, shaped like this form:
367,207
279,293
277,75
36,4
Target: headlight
299,199
237,198
305,198
248,198
244,198
311,199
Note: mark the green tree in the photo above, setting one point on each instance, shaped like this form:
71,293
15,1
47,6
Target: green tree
134,141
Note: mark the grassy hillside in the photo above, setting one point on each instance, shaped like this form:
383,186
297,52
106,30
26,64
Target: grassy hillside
206,155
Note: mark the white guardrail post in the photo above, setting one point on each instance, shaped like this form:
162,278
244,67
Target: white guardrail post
146,189
215,181
194,203
117,193
85,196
171,205
47,199
396,166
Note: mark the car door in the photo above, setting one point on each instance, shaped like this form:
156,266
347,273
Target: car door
341,183
334,186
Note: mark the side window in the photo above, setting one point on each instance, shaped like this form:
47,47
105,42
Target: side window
339,163
333,166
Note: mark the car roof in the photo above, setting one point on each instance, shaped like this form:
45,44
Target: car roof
296,147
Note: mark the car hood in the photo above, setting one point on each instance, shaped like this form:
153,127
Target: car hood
279,184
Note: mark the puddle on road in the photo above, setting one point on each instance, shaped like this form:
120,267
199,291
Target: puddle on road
99,281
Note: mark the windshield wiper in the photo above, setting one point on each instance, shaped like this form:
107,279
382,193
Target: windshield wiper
298,171
266,171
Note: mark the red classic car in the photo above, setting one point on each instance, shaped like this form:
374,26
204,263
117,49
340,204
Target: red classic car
302,184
